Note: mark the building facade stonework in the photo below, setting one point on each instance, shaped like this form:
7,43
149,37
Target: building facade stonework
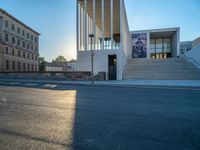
19,45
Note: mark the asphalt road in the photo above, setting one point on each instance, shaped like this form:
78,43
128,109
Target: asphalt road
45,117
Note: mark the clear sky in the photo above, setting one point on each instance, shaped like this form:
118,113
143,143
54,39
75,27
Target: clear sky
56,20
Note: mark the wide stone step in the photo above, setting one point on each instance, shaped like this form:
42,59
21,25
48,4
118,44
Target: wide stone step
157,63
161,69
173,68
163,77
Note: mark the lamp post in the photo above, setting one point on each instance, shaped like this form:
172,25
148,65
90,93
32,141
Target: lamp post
91,36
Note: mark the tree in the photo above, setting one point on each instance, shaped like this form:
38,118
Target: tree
42,64
60,59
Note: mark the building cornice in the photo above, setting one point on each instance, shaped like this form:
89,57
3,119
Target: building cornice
18,21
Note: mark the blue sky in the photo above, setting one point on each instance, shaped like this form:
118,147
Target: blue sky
56,20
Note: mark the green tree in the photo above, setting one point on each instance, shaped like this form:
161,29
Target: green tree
42,64
60,59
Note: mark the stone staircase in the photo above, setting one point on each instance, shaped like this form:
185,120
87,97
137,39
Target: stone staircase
161,69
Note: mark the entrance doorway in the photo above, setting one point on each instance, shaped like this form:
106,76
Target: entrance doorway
160,48
112,67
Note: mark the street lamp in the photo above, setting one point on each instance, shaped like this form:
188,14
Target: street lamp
91,36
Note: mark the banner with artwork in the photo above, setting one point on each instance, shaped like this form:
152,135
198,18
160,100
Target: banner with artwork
139,45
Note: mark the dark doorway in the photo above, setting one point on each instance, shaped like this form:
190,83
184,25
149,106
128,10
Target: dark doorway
112,67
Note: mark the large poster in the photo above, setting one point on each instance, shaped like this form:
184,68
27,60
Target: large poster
139,45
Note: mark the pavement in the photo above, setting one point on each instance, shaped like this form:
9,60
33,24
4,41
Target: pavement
119,83
74,117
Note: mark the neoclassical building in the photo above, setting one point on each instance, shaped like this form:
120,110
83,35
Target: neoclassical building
19,45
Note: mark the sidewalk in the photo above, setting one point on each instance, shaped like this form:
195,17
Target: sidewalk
121,83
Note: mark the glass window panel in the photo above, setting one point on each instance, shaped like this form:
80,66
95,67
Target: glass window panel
158,50
158,41
167,40
152,41
168,49
167,44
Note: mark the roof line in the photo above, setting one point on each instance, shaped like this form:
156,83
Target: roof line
160,29
12,17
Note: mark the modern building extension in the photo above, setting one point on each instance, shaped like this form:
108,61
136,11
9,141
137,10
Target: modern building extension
19,45
119,52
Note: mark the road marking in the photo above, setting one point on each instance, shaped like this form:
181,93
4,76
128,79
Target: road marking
4,99
31,84
13,83
50,85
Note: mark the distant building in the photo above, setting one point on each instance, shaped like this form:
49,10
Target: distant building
19,45
185,46
61,66
72,65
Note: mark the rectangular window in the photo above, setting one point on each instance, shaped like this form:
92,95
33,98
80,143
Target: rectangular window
23,33
28,56
18,30
24,66
6,37
13,65
32,67
24,55
19,54
31,37
6,50
23,44
28,35
13,52
13,27
6,24
13,40
18,42
19,66
28,67
28,46
7,65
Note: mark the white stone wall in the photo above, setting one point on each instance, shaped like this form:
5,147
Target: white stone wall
194,56
100,61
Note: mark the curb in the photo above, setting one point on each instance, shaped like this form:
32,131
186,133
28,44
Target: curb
196,88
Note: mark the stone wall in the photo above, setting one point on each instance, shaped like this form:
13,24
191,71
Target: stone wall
70,76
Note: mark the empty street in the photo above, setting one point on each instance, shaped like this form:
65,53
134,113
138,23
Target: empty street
58,117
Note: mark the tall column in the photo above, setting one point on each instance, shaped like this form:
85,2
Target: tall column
81,28
111,22
121,27
85,22
77,26
102,44
94,23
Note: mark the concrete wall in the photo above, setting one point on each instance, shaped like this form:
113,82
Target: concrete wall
193,56
176,44
125,38
196,42
49,76
1,42
100,61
